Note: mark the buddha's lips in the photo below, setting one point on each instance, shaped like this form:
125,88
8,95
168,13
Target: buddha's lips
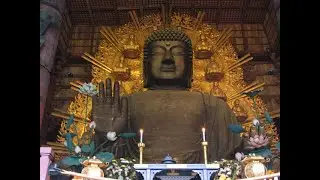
169,68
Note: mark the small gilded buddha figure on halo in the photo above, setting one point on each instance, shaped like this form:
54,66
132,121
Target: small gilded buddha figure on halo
132,48
213,72
217,91
239,111
121,72
203,48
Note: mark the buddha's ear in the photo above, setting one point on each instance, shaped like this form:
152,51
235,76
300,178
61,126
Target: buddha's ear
145,80
145,74
189,73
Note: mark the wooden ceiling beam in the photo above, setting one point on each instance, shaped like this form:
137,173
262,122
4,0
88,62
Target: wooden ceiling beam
218,8
141,8
157,7
244,6
218,13
92,22
116,11
90,13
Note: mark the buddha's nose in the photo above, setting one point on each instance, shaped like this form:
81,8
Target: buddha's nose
167,59
167,62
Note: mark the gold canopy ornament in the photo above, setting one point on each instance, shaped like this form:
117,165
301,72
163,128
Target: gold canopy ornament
109,57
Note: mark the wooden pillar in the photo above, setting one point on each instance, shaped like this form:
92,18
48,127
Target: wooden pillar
50,21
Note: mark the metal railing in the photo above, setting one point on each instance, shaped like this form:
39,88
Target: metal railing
275,176
46,156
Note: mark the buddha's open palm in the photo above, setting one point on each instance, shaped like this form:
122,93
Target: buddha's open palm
109,113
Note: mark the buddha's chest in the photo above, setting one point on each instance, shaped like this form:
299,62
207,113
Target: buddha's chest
167,111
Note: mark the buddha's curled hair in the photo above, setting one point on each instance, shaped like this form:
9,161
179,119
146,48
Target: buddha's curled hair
168,35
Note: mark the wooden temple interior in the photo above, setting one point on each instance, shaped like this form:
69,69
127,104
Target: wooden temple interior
255,29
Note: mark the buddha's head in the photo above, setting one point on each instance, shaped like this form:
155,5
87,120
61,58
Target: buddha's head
167,60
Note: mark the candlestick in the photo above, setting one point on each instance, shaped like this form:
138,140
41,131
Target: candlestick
205,144
141,146
204,134
141,135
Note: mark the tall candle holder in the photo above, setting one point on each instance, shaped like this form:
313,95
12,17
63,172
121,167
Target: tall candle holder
141,145
204,145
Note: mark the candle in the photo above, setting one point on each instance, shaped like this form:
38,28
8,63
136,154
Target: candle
204,134
141,135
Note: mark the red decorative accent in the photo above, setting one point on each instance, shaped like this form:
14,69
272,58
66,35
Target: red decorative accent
214,76
203,54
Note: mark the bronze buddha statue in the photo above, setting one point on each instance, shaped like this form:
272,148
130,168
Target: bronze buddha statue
170,115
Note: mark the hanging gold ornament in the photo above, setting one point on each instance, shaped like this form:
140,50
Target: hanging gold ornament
213,72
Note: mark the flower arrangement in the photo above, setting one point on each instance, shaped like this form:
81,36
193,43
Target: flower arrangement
229,170
122,169
88,89
84,148
256,139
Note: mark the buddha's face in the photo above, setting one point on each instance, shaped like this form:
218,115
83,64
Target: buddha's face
167,59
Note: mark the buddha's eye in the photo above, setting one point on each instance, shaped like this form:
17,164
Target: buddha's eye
157,51
178,54
178,51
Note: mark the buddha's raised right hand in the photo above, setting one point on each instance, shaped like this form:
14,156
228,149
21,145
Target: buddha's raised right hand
109,114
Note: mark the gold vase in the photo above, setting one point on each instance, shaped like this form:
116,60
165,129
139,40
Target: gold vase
254,166
93,168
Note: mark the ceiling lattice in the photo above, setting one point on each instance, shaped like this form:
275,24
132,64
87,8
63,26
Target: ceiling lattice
114,12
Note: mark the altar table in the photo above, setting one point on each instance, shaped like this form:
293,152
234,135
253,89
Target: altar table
149,170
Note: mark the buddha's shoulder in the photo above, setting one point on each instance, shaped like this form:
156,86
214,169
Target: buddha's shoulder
176,93
187,95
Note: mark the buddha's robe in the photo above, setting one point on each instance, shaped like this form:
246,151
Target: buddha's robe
172,121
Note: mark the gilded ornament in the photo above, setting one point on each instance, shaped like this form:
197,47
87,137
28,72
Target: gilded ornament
217,91
254,166
121,72
203,49
213,72
239,111
92,168
131,49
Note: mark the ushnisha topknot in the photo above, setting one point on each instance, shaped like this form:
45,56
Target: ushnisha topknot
168,34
